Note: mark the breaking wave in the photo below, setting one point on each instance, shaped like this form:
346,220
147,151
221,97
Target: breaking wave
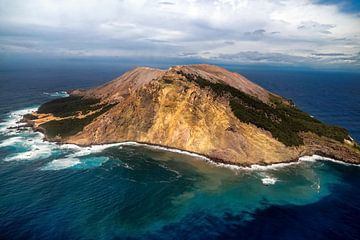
61,163
12,122
57,94
269,180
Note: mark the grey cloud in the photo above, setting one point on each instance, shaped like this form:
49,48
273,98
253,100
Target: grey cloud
259,32
281,58
156,40
187,54
329,54
317,27
255,35
341,39
166,3
229,42
42,39
255,56
354,57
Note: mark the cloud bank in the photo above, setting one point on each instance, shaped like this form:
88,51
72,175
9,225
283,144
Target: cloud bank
298,32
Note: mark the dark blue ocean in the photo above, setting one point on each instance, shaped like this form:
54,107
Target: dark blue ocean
50,191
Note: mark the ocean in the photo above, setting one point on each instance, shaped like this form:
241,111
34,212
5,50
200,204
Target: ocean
130,191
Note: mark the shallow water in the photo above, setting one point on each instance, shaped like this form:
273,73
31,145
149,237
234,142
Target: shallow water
51,191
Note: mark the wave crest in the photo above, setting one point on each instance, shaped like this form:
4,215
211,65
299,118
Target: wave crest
57,94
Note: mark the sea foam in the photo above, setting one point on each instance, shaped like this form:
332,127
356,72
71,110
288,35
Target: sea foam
12,121
314,158
61,163
29,147
269,180
57,94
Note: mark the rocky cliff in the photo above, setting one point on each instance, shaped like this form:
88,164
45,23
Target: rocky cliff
199,108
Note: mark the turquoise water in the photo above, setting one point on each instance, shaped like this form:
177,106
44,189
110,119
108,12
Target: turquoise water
128,191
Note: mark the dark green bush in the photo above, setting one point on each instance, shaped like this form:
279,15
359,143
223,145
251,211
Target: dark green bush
29,117
71,126
68,106
357,147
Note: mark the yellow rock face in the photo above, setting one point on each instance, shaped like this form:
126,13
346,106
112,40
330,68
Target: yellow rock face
182,115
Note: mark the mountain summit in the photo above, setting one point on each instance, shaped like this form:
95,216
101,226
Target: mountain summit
199,108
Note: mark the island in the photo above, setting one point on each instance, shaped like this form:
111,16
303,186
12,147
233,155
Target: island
199,108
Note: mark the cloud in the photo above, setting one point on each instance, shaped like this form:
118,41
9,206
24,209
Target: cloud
236,30
317,27
329,54
282,58
187,54
255,35
255,56
166,3
229,42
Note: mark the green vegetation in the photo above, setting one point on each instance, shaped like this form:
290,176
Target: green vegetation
282,120
69,106
168,81
71,126
357,147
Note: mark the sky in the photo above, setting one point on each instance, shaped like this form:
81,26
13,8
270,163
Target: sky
318,33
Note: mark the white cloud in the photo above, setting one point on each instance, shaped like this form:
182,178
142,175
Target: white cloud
176,28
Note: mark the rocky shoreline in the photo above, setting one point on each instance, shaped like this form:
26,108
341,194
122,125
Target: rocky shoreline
216,161
200,109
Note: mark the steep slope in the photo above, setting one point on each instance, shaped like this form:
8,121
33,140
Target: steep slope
122,86
219,75
199,108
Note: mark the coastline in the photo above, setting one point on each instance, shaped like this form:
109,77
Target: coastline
219,162
213,161
19,125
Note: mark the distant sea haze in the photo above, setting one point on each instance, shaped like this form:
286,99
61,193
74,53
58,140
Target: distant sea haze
51,191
